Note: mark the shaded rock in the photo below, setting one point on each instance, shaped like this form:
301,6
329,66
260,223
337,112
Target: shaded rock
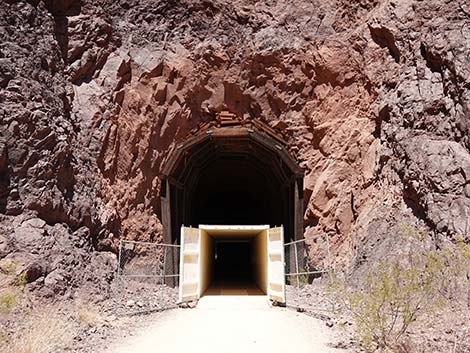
6,245
81,236
3,159
385,38
30,232
55,280
32,272
4,177
438,173
63,7
7,72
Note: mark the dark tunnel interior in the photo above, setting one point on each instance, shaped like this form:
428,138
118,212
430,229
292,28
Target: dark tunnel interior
233,262
235,192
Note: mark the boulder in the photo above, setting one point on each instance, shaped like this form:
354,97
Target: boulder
30,232
55,279
32,272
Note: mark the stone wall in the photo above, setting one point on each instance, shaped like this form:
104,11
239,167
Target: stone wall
372,95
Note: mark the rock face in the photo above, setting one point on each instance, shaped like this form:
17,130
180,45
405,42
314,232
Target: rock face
372,95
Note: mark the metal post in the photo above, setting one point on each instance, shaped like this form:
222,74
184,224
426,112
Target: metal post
162,281
328,260
119,259
328,255
118,275
297,276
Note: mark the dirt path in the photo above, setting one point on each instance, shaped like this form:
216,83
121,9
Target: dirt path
230,324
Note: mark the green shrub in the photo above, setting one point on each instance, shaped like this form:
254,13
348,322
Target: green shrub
395,293
7,302
21,280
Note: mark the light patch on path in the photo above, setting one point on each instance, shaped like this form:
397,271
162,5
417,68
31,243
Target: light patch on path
230,324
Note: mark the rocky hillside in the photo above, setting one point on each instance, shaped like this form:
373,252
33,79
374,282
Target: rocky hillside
373,95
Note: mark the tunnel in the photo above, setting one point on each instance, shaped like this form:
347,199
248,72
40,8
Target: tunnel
238,173
220,260
233,261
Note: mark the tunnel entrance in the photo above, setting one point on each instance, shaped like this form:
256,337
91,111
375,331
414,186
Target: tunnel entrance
234,269
232,260
232,171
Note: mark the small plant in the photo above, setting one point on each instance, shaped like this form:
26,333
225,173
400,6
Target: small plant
7,302
9,268
395,293
390,299
21,280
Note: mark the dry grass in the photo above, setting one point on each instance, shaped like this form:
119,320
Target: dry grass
89,315
47,330
7,302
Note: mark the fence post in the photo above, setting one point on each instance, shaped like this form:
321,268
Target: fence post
328,255
328,260
118,275
162,278
297,273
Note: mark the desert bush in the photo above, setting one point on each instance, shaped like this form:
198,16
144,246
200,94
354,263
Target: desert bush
7,302
21,280
8,267
389,300
396,292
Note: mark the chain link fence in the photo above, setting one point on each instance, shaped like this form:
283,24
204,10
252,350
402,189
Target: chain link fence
147,277
307,268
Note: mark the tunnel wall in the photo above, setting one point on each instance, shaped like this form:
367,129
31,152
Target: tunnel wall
259,252
207,262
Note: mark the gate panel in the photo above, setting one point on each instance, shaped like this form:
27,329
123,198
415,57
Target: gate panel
145,281
190,264
276,286
306,272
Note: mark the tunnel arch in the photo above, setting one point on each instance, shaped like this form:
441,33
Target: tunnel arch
232,171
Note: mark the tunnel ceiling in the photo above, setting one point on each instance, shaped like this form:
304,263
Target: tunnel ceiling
232,172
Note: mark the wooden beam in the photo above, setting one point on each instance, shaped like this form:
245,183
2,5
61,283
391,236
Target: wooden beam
166,214
298,212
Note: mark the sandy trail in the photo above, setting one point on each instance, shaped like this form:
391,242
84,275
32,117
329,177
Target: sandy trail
230,324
